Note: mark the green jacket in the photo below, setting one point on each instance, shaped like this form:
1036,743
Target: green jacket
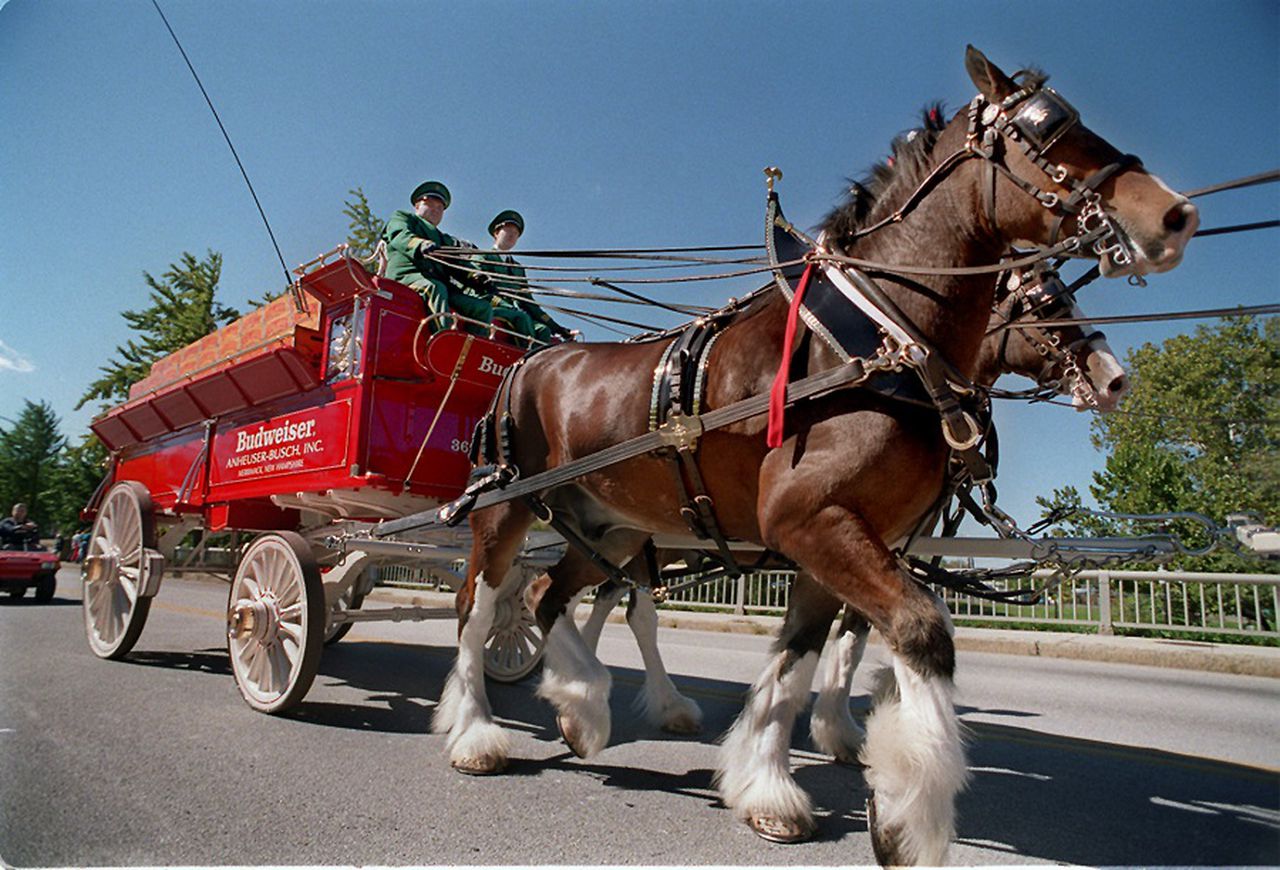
404,234
510,286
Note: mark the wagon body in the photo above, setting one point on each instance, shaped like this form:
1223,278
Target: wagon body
327,410
325,413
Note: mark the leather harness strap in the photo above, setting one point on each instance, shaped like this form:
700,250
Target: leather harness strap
678,382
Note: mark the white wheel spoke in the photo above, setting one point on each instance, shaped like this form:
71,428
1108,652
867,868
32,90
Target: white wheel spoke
281,665
527,632
129,584
277,568
256,663
253,592
290,630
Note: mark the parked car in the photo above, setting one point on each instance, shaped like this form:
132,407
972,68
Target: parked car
23,569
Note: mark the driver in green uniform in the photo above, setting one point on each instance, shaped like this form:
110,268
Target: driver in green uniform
411,236
510,285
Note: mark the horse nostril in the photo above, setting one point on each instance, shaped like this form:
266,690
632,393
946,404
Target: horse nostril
1176,218
1118,386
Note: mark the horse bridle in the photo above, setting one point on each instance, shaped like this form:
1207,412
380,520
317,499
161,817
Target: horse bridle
1044,294
1033,118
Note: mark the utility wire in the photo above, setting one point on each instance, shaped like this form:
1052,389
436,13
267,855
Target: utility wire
287,277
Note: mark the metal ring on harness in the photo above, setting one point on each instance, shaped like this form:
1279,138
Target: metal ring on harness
956,442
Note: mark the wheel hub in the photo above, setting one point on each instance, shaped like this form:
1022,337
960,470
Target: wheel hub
257,620
101,567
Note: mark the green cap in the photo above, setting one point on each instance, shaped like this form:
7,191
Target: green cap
431,188
506,217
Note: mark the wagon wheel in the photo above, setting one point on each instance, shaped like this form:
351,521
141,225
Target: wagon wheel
275,622
114,612
348,600
514,646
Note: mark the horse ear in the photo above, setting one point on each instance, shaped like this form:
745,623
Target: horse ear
991,82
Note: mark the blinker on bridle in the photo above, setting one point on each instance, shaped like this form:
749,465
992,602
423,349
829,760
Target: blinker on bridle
1034,117
1044,294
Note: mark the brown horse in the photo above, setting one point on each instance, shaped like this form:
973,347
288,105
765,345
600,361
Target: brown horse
1071,359
854,473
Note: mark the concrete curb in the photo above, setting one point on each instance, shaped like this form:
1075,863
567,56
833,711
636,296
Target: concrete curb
1258,661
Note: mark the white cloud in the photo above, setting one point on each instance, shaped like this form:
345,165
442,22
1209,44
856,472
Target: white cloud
13,361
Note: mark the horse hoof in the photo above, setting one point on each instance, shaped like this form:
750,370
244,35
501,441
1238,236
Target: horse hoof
569,734
479,766
682,725
848,758
884,843
777,830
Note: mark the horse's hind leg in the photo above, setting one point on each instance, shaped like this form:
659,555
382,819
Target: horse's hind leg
608,595
914,754
573,679
660,701
831,725
478,745
754,776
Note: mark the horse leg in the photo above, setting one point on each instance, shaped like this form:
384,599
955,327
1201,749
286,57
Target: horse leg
660,700
831,725
753,775
476,744
573,679
913,753
608,594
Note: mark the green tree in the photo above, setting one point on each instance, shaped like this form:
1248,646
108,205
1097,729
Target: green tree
29,454
183,309
1199,432
364,230
80,469
364,227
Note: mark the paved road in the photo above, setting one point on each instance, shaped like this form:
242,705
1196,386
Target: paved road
157,761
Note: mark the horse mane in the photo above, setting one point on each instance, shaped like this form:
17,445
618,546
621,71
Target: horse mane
905,168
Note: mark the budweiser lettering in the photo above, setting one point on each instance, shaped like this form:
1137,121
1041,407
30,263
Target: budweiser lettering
286,433
489,366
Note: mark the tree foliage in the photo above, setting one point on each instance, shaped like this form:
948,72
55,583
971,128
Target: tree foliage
80,469
183,308
29,458
364,227
1199,432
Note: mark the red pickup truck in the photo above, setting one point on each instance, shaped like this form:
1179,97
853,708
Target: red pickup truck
22,569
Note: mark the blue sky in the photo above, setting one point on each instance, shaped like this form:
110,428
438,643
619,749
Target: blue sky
606,124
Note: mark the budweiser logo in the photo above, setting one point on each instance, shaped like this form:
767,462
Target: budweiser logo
490,366
285,433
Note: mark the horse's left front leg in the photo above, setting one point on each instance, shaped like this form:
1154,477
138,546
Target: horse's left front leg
914,753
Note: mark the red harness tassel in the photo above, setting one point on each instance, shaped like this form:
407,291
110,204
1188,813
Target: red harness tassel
778,394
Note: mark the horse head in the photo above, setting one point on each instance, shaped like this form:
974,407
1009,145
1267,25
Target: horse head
1034,140
1072,356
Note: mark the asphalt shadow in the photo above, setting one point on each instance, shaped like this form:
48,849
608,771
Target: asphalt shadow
1033,795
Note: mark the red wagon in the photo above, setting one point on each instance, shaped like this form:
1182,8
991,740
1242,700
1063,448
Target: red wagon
310,419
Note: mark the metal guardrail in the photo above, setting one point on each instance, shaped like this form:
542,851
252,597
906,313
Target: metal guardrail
1192,603
1189,603
1182,602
